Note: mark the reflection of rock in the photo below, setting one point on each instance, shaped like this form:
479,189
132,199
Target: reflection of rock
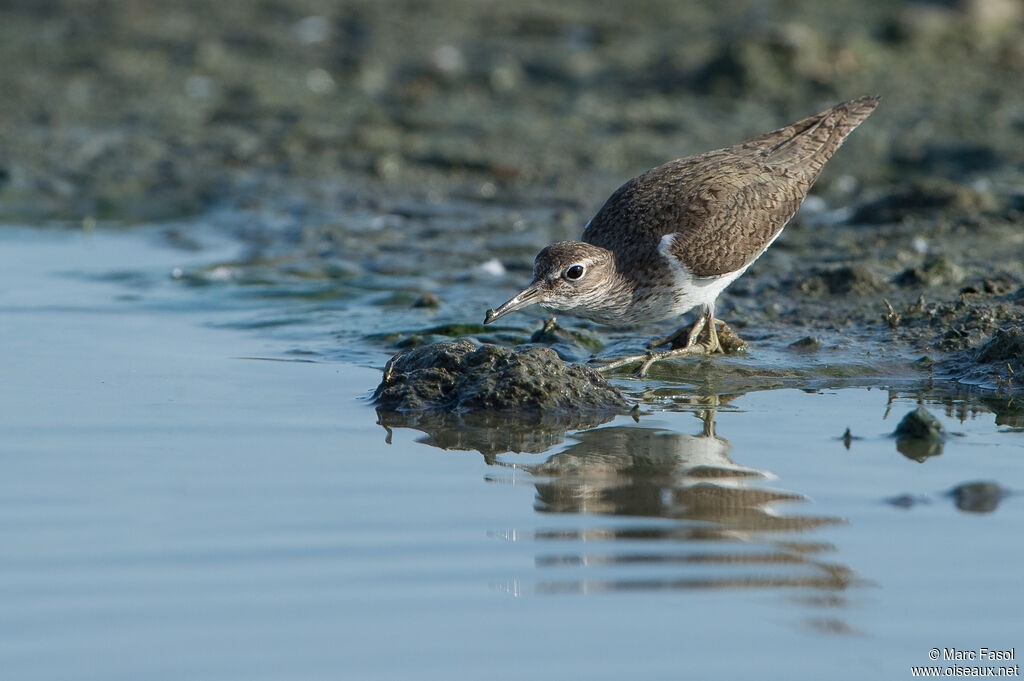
971,497
907,501
635,471
487,433
978,497
1009,412
919,435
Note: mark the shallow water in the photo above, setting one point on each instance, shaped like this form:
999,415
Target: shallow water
173,506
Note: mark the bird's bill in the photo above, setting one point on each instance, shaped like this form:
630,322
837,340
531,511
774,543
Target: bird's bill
528,296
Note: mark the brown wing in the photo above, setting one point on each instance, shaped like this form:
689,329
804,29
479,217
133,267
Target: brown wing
727,205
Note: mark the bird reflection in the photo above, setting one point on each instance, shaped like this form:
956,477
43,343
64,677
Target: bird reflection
729,527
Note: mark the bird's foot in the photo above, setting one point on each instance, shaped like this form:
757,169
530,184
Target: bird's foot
648,359
711,345
685,336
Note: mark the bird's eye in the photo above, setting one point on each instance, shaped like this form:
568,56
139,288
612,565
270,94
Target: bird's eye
574,272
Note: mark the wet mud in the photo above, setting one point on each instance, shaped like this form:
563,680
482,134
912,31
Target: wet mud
407,160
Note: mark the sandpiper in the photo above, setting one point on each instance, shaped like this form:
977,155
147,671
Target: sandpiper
673,238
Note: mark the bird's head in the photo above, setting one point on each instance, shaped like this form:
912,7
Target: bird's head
571,276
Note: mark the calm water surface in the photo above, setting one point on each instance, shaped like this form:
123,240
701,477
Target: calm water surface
173,505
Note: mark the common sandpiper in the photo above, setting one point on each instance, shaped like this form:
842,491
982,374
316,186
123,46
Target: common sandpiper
675,237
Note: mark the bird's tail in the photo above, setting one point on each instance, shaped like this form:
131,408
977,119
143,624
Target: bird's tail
809,143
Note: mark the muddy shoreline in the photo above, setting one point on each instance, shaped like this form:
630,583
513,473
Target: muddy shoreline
433,148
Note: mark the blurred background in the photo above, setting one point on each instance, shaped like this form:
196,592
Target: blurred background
148,109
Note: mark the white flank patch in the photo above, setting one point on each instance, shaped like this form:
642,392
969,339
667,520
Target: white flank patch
694,291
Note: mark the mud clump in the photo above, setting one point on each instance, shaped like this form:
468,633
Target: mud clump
935,272
730,340
855,279
1005,345
997,363
919,435
459,377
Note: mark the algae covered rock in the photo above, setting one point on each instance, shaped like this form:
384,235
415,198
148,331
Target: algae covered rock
461,377
493,398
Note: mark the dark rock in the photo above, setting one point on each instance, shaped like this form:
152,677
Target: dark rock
806,344
978,497
919,424
919,435
459,377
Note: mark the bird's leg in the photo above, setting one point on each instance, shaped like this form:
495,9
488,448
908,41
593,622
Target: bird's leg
690,332
706,321
713,344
